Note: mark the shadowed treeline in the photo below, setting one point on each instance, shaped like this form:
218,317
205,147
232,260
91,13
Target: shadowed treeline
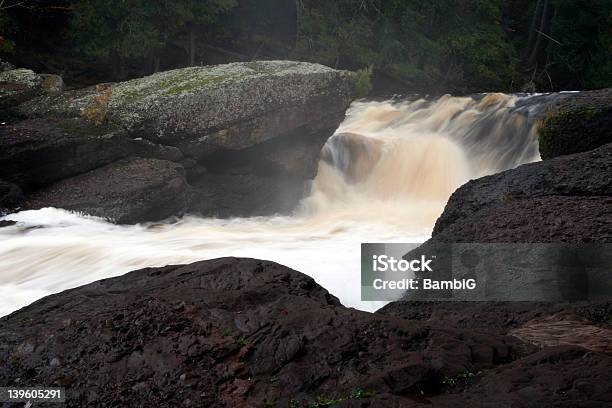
437,46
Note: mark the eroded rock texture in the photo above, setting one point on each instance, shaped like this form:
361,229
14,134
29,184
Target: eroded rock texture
247,333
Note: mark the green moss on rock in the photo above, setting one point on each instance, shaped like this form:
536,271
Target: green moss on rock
196,108
80,127
575,130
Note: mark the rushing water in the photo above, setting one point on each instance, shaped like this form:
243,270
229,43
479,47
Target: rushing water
384,176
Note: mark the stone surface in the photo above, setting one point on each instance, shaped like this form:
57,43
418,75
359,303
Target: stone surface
563,199
577,123
242,332
249,134
35,153
500,317
269,178
205,109
18,85
127,191
52,83
11,196
6,66
552,218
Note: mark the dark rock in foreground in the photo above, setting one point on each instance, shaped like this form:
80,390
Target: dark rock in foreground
126,191
248,333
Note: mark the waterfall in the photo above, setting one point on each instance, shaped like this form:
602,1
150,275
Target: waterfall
384,176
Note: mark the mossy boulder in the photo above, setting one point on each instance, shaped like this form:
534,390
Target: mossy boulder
18,85
248,134
576,124
204,109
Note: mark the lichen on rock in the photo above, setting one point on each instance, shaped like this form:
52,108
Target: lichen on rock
249,134
199,106
18,85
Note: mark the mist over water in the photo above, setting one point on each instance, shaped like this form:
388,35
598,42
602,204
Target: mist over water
384,176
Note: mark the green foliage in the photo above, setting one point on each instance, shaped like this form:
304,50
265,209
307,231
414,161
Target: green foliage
358,393
443,43
137,28
325,401
458,45
582,55
461,378
8,27
361,81
434,46
558,134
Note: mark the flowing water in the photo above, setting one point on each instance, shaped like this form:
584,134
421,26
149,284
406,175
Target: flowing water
384,176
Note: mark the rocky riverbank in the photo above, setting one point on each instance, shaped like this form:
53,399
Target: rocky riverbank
244,138
237,332
248,333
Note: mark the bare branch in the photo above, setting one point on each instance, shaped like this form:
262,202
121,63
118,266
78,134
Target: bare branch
11,5
548,36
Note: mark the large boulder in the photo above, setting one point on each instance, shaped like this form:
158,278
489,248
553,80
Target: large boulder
567,197
580,122
35,153
127,191
245,333
206,109
20,85
249,134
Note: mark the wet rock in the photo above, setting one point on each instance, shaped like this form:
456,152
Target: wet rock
555,376
35,153
501,317
11,196
577,123
239,332
127,191
567,197
540,219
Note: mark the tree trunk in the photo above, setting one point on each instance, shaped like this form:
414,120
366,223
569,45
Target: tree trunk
540,39
192,45
532,30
